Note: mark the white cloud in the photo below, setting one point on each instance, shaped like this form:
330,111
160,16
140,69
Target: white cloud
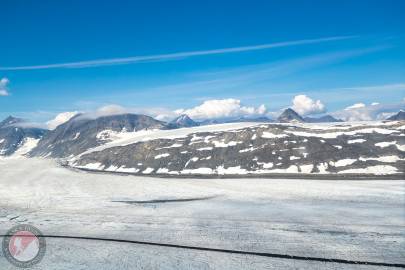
363,112
111,110
356,106
305,105
60,119
3,87
221,108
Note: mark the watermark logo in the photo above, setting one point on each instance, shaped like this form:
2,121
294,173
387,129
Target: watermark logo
24,246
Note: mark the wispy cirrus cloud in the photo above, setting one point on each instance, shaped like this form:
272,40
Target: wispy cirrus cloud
175,56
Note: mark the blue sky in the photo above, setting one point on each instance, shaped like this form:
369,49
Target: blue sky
61,56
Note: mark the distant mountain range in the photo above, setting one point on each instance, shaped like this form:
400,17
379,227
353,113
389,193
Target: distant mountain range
322,119
267,147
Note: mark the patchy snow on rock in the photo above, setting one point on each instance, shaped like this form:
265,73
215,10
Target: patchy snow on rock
197,171
387,159
205,149
385,144
266,165
290,169
219,144
175,145
231,170
268,135
112,168
306,168
377,170
92,166
26,146
334,135
148,170
251,149
77,135
162,155
294,158
338,146
125,138
322,167
127,170
356,141
343,162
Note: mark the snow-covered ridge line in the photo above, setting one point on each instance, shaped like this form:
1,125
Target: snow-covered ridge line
126,138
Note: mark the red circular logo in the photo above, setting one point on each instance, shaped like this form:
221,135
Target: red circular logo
24,246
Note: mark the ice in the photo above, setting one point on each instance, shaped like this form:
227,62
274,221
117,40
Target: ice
343,219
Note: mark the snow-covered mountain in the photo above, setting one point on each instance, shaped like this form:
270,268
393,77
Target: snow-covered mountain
183,121
399,116
253,148
81,133
290,116
16,136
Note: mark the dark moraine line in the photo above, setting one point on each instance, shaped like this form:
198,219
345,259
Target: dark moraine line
229,251
167,200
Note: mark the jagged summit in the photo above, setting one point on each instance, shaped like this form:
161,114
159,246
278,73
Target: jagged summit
10,120
289,115
183,121
399,116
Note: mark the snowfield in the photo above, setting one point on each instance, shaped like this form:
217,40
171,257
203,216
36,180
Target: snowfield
353,220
